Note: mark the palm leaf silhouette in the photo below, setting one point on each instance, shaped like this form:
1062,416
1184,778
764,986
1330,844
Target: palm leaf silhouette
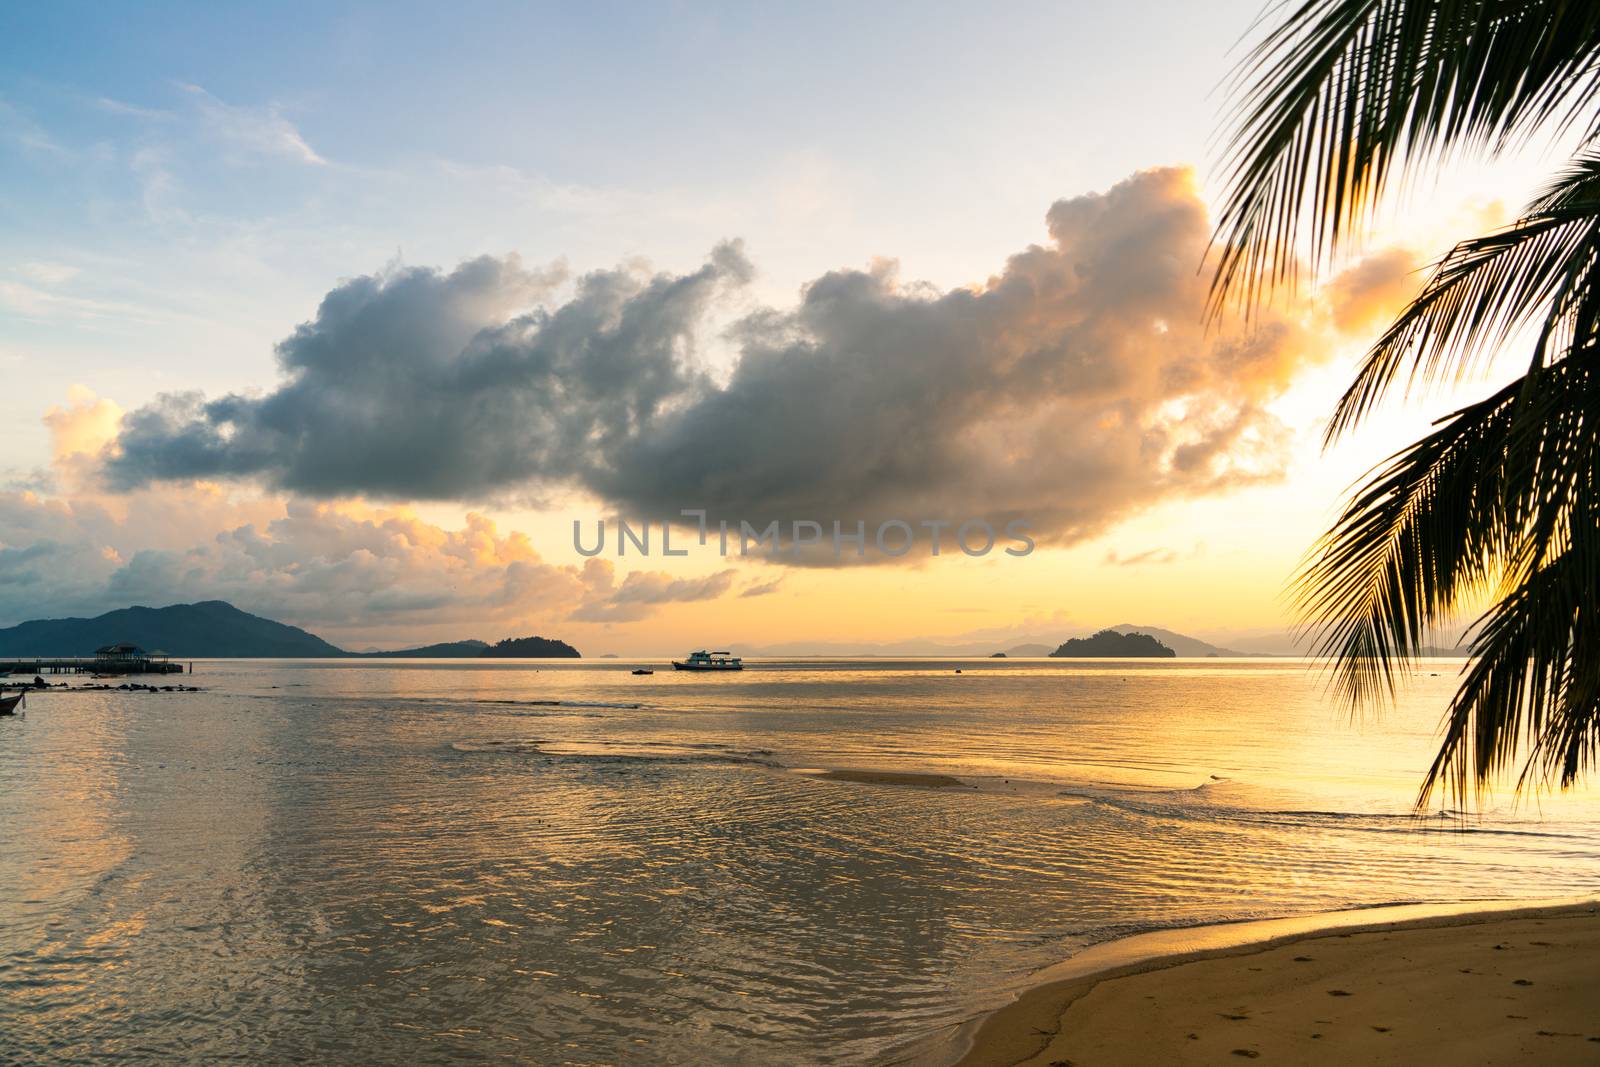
1500,499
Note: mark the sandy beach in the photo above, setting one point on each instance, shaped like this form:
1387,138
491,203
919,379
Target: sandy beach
1490,988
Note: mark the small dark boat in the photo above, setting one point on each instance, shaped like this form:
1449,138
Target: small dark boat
643,671
9,705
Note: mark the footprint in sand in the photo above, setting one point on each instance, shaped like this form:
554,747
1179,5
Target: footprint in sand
1339,993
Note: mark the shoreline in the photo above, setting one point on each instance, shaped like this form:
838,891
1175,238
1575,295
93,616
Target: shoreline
1030,1022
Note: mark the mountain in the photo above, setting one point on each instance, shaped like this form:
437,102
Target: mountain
1110,643
1028,651
444,650
911,647
530,648
211,628
1181,644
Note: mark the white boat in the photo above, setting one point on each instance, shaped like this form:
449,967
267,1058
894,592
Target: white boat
709,661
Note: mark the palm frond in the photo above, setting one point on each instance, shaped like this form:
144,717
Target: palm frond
1533,685
1343,92
1486,290
1417,540
1501,498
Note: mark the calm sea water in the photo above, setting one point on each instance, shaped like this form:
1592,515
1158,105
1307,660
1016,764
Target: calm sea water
424,862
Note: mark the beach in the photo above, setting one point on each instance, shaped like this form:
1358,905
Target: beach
1495,987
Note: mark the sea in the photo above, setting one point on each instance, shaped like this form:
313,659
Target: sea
562,862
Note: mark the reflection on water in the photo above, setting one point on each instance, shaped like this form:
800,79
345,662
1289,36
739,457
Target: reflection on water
348,861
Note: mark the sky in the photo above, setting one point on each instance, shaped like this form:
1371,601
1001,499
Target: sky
347,313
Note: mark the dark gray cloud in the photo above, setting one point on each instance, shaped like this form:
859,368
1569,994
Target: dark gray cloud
1073,387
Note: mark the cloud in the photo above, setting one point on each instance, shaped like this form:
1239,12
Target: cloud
1367,296
396,387
43,297
641,591
762,588
48,273
1152,555
257,131
1073,388
345,570
79,430
20,129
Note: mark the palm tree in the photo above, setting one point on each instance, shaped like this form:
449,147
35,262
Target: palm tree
1500,502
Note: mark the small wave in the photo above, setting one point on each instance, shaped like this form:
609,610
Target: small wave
1130,797
495,745
560,704
623,751
1149,804
1389,822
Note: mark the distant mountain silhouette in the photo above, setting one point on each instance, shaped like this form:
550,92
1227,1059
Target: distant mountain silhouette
1110,643
531,648
1022,646
468,649
217,629
1184,645
918,647
211,628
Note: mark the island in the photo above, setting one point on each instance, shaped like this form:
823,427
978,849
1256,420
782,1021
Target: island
530,648
469,649
215,629
208,629
1109,644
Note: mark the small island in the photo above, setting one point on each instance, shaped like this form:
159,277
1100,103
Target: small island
1109,644
530,648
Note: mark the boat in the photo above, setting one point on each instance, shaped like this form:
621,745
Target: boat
9,705
643,671
709,661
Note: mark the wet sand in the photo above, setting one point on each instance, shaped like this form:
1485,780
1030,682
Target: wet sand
1489,988
927,781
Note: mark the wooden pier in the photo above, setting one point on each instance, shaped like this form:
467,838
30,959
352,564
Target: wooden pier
86,665
113,659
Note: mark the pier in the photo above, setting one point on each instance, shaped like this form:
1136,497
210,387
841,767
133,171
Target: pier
112,659
85,665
